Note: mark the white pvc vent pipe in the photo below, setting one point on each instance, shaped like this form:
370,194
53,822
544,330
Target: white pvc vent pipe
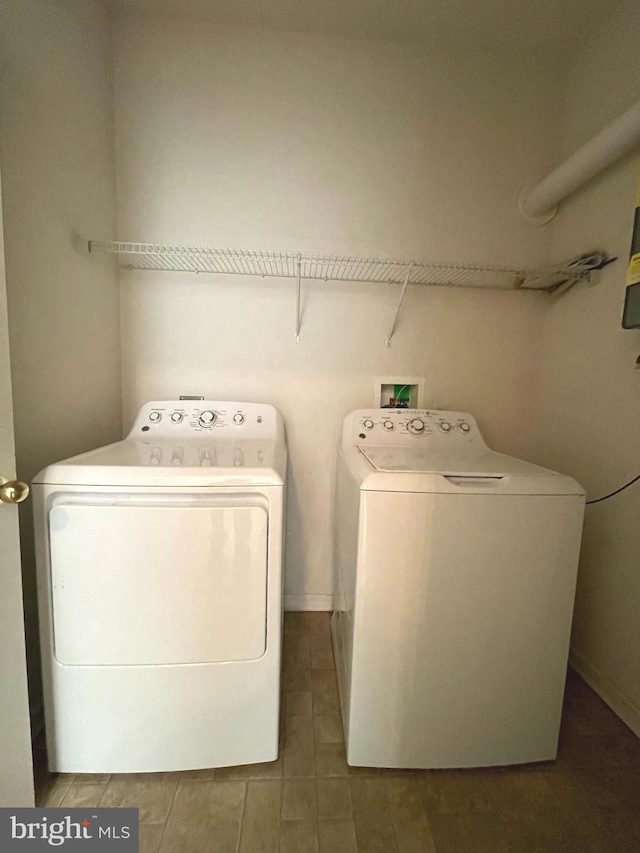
620,137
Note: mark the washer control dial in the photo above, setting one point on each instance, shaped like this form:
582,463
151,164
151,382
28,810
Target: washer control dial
445,426
176,417
154,417
416,426
464,427
238,418
367,424
207,419
388,425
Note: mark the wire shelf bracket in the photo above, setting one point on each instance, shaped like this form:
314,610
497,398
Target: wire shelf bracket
298,310
302,265
400,301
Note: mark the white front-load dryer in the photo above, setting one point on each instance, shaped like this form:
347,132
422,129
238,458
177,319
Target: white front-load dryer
160,592
456,573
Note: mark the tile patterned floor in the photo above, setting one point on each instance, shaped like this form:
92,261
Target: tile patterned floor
310,801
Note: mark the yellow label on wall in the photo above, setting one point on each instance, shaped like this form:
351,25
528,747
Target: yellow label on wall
633,270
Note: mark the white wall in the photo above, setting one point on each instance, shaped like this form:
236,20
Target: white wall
264,140
590,411
58,177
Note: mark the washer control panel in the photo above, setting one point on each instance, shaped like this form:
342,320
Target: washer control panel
405,426
183,419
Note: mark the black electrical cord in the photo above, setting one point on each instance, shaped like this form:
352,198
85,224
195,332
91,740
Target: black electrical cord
617,491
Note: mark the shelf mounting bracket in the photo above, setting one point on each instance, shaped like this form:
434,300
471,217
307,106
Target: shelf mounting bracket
298,302
402,293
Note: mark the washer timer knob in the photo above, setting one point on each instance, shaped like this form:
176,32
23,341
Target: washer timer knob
154,417
238,418
368,424
445,426
207,419
416,426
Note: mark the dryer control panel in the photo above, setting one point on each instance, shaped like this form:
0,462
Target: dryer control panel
184,419
405,426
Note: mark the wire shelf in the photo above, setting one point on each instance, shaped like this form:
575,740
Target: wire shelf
301,265
199,259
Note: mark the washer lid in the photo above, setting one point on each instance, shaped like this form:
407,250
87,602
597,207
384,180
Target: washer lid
409,469
422,460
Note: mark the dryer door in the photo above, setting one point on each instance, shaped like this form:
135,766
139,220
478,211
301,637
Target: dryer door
138,582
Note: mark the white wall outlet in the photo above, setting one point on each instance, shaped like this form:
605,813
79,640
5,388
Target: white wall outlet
399,392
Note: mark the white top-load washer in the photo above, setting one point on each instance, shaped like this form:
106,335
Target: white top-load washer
456,572
160,592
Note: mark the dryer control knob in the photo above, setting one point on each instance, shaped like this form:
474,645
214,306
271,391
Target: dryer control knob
154,417
368,424
207,419
387,425
416,426
445,426
464,427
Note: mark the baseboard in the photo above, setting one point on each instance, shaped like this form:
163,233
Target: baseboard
608,691
308,602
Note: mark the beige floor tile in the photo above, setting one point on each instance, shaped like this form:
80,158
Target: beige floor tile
298,752
327,728
51,793
517,790
92,778
324,691
296,622
404,795
296,652
374,829
298,836
487,833
379,772
414,837
150,835
410,824
298,703
307,622
205,816
299,799
540,830
334,798
578,750
261,820
624,784
450,835
198,775
337,836
151,793
79,795
319,623
321,652
331,760
606,788
456,791
296,679
263,770
609,830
